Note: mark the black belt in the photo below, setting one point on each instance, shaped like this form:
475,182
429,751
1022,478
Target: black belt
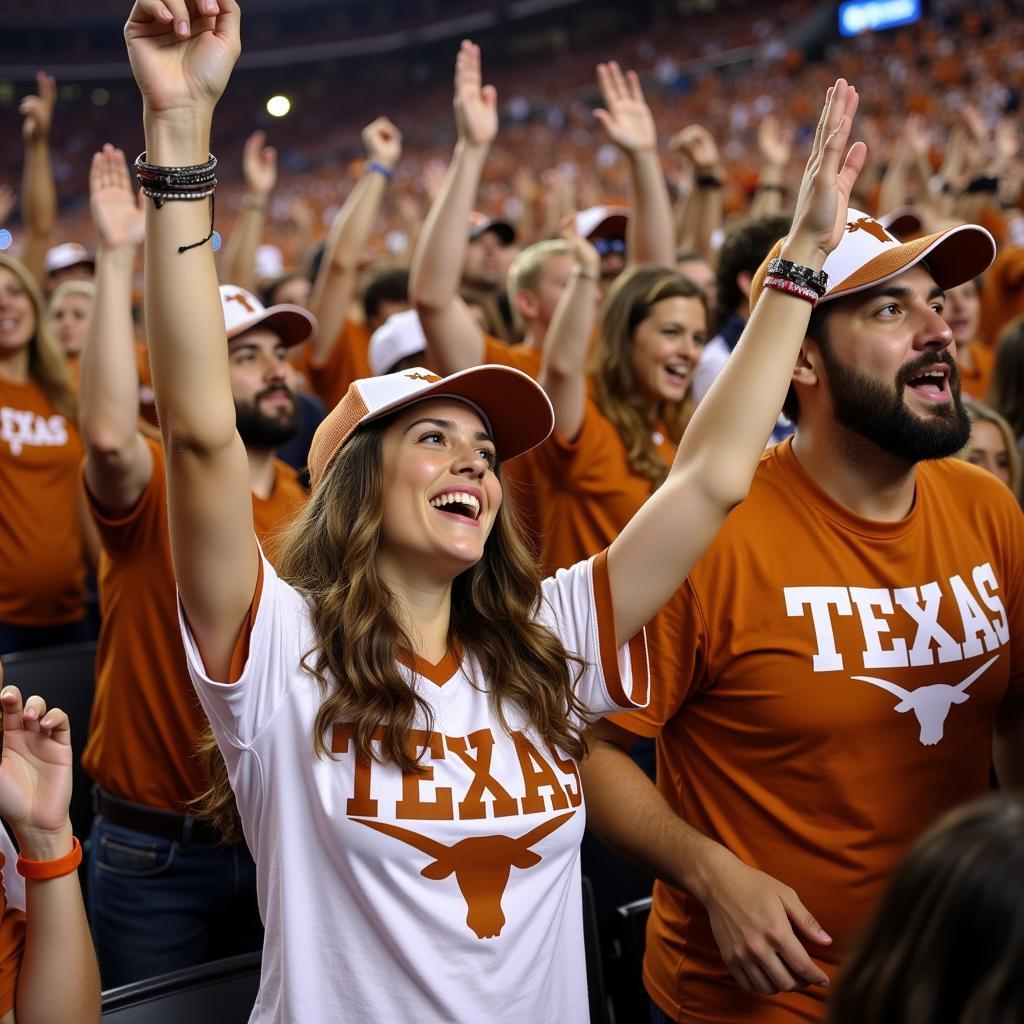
182,827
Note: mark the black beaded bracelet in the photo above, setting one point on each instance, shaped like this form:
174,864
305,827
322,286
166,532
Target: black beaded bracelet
198,181
804,277
982,185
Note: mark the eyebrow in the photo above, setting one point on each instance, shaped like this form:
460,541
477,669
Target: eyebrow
903,293
481,435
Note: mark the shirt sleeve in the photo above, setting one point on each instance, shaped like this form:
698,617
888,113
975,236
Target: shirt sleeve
576,604
12,946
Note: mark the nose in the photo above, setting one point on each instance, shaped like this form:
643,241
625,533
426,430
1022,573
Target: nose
469,463
933,332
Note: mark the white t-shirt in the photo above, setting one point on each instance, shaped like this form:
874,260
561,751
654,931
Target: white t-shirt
449,897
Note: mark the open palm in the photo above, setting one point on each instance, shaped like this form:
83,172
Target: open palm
626,118
476,105
119,219
175,71
35,771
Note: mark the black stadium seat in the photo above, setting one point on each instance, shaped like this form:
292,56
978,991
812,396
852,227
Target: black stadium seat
64,678
222,992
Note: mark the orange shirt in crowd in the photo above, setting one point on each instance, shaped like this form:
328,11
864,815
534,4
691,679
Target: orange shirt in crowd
976,380
146,719
42,572
349,360
1002,295
520,357
12,945
814,729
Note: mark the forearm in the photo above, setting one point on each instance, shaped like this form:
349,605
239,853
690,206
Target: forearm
38,205
770,190
651,235
709,218
56,939
239,264
335,285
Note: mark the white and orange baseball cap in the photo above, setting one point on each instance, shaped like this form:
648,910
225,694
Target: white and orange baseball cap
602,221
513,405
868,255
66,255
243,311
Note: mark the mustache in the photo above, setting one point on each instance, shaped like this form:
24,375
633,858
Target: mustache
926,363
274,389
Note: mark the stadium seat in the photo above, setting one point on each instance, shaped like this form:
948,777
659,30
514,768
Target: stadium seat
222,992
629,944
63,677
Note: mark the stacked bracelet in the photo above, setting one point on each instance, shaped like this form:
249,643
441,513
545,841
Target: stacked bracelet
198,181
40,870
782,284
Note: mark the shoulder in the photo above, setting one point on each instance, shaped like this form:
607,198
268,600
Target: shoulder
959,489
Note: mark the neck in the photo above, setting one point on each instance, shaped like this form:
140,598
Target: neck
425,604
14,365
534,336
870,482
261,471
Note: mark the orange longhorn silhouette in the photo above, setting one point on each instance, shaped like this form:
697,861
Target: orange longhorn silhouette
481,865
871,226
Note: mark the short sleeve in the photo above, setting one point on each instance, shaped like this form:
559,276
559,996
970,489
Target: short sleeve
519,357
12,945
583,463
576,605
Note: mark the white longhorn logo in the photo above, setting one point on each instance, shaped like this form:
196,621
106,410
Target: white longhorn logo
930,704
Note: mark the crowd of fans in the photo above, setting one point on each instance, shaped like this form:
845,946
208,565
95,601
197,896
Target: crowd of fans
606,232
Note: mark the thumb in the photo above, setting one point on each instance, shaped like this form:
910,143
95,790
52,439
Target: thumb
804,921
490,95
604,118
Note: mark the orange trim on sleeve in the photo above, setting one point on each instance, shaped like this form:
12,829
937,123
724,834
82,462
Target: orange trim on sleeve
606,643
240,654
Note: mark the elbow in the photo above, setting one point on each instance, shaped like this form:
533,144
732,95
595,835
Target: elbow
107,442
424,300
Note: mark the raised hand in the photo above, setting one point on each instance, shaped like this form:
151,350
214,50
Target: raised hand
35,772
775,142
626,118
259,165
476,105
824,197
182,53
587,257
38,110
382,142
698,145
117,212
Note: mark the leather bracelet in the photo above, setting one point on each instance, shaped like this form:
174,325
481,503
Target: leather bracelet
782,284
252,203
781,189
41,870
373,167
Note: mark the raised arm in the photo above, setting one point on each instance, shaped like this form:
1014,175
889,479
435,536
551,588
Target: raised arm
118,463
567,342
59,980
182,62
454,338
629,124
702,212
38,188
259,166
716,459
335,283
775,143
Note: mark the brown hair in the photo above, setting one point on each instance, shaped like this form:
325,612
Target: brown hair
329,555
946,942
981,413
47,365
1006,393
617,394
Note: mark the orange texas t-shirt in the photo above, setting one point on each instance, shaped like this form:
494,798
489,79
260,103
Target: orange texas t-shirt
1002,294
42,571
840,682
976,381
348,360
145,718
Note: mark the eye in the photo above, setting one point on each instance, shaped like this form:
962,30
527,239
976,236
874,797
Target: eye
434,436
490,457
889,309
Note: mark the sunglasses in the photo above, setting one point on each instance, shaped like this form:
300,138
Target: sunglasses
606,246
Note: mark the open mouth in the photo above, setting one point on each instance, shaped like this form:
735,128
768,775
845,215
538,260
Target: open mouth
460,504
932,384
678,372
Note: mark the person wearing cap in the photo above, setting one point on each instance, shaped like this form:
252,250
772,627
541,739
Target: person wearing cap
69,261
401,708
398,344
974,360
164,892
853,647
489,252
605,228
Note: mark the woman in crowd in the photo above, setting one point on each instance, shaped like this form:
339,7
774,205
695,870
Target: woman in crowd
946,942
43,929
1006,395
403,710
42,567
70,308
993,447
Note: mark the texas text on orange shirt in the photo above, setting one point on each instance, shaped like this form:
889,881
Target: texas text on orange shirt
840,681
145,718
42,572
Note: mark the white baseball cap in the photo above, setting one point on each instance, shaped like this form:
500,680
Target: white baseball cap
611,220
513,405
399,337
243,311
868,255
69,254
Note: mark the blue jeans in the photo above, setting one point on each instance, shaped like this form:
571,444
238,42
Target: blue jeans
158,906
658,1015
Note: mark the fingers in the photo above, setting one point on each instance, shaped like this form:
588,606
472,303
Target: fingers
10,703
467,67
47,86
56,724
613,84
836,142
35,708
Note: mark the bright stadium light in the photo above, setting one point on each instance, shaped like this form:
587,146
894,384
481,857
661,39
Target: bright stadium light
5,239
278,106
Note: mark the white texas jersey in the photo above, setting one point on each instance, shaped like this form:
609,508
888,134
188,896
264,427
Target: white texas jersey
448,896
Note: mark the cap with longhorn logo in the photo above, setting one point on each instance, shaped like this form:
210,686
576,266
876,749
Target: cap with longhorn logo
243,311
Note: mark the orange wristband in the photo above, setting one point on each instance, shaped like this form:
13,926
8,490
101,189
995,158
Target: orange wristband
39,870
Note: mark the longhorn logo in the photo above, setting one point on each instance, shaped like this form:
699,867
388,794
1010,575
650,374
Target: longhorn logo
430,378
240,298
930,704
870,225
481,865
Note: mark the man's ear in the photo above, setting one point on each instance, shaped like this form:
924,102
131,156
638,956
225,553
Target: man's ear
808,364
527,304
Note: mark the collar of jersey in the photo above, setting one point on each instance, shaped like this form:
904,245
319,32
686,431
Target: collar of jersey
438,674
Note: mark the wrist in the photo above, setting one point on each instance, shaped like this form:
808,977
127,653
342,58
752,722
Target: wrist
472,150
179,139
119,257
585,273
702,874
44,844
804,253
255,200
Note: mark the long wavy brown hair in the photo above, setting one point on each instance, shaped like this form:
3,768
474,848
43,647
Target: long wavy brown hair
617,391
47,365
329,555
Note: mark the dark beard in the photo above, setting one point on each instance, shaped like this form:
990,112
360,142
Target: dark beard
879,414
258,430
